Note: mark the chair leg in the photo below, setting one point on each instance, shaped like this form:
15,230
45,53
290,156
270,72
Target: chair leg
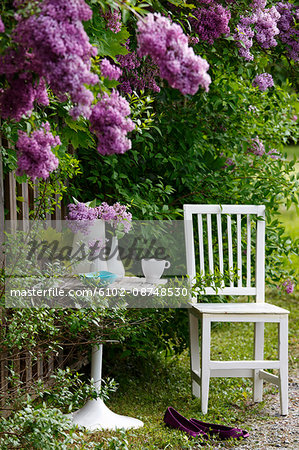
283,358
258,355
194,353
205,361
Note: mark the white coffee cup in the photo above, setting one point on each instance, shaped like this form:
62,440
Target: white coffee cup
153,268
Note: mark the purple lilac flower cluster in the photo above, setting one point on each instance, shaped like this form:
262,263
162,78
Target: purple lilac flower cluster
117,215
229,163
289,34
257,147
288,286
80,217
137,74
19,98
142,79
244,36
274,153
264,21
109,122
130,61
109,70
2,27
53,44
80,211
168,47
266,26
192,40
211,21
35,157
113,20
253,109
263,81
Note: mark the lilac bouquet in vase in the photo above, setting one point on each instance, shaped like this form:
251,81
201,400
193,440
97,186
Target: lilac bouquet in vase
88,222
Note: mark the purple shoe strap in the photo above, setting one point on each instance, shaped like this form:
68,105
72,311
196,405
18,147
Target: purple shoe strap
174,419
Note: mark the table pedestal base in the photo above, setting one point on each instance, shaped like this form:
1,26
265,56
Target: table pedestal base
95,415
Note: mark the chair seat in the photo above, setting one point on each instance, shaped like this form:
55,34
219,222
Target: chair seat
237,308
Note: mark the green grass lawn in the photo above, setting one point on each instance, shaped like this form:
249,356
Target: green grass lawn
292,150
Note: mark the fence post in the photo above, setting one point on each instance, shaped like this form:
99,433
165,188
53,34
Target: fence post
1,204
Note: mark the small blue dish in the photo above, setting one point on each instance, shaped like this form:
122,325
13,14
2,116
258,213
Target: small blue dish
102,276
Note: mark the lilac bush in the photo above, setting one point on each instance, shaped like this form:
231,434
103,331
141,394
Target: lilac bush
211,21
35,156
263,81
167,45
110,123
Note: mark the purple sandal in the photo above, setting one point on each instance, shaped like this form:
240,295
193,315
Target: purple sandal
222,431
175,420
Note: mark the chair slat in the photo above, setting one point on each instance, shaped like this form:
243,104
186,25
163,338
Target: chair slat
220,246
260,256
248,251
201,247
239,250
210,244
230,249
189,241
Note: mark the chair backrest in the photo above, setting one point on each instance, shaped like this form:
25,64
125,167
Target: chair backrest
230,238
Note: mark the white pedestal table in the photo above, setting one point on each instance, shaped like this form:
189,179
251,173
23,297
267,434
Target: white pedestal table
95,415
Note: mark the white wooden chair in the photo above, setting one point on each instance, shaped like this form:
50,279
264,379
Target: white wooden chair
232,242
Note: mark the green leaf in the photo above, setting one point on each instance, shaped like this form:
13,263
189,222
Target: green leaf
110,44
